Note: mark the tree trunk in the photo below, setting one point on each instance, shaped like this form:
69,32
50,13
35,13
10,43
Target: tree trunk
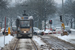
67,24
74,23
71,23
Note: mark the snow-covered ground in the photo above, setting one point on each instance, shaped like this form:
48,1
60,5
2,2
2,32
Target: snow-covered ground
38,40
39,43
1,30
70,38
72,29
7,39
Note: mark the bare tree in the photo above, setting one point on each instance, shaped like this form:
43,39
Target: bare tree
69,10
40,9
3,6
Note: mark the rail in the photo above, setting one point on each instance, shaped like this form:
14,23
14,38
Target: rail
15,47
34,45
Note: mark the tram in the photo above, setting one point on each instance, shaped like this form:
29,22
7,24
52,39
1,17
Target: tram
25,27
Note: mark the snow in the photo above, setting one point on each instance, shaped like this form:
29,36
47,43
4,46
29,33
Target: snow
70,38
30,17
46,31
1,30
7,39
72,29
38,40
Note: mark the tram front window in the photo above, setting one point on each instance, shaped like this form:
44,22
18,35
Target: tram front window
24,24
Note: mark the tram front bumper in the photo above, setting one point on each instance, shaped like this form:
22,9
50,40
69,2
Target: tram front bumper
25,34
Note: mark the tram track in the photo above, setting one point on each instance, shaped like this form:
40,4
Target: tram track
15,47
25,44
35,46
40,43
28,44
57,44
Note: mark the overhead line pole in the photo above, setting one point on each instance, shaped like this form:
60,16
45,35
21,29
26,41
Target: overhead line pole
4,30
62,12
62,25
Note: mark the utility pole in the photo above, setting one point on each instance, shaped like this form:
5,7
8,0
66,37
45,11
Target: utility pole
62,12
45,14
62,25
11,22
2,22
4,30
45,19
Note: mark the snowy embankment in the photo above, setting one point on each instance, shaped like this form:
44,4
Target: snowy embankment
2,30
70,38
38,40
72,29
7,39
39,43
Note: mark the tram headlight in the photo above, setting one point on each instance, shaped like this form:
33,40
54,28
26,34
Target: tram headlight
24,31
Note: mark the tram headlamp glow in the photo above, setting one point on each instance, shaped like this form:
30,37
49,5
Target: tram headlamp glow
24,31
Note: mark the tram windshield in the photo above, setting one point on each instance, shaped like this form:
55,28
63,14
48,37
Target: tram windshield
24,24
